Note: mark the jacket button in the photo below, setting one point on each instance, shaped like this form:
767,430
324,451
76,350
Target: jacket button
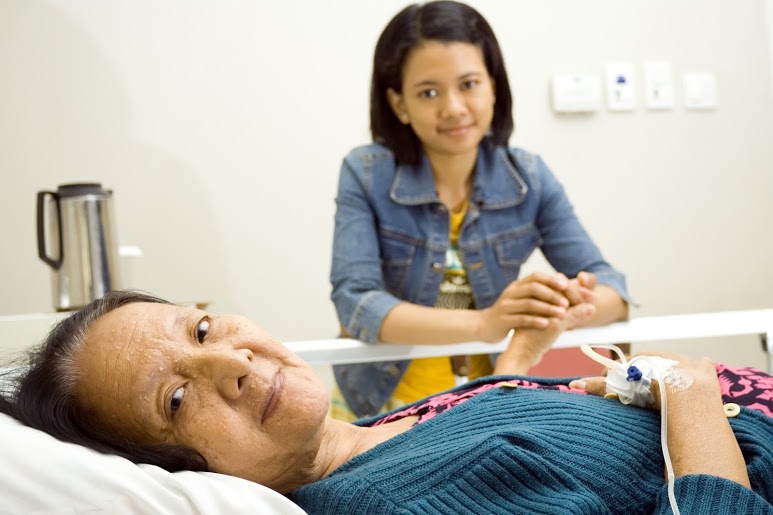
732,410
437,266
393,370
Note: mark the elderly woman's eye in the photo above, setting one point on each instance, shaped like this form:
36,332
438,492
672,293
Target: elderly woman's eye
202,329
177,399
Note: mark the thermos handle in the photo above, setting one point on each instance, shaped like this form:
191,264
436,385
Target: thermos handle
53,263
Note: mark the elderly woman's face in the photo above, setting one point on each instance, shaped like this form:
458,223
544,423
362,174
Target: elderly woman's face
219,384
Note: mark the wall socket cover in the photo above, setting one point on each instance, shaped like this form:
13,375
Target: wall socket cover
576,93
621,92
658,85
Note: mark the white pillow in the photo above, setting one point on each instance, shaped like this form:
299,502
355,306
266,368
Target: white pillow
41,475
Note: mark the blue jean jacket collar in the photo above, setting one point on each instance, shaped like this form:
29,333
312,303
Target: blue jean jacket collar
495,175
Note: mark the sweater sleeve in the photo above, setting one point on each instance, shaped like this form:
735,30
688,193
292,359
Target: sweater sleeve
700,494
359,291
566,244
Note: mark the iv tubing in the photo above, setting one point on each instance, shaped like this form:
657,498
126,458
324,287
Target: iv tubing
663,412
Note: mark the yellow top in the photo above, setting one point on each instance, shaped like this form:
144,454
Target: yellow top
428,376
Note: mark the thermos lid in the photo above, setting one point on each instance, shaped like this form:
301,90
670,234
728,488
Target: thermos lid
78,189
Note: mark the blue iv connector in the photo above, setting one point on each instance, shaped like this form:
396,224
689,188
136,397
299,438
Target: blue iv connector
634,374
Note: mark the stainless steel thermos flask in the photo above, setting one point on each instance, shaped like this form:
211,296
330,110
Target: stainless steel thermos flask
76,238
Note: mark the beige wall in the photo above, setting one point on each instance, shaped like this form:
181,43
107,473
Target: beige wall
221,126
769,4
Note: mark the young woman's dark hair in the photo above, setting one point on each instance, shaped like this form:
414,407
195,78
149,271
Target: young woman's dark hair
437,21
42,396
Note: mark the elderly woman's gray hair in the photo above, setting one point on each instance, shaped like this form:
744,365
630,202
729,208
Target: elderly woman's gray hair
41,392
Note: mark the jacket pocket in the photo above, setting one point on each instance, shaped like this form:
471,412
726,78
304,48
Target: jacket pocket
514,248
396,259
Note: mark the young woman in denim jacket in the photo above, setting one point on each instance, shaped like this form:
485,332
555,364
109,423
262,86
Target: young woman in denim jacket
439,213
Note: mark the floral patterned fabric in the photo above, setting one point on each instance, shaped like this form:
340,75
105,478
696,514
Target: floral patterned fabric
746,386
440,403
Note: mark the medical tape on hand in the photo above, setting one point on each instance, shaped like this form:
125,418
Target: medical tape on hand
631,380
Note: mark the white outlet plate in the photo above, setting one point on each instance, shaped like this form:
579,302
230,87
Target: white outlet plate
576,93
621,89
658,85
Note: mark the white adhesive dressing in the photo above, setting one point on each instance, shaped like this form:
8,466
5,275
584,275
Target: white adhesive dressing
631,382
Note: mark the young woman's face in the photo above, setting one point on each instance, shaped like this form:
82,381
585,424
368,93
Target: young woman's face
161,373
447,97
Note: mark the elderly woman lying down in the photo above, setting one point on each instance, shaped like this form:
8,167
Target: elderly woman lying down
184,389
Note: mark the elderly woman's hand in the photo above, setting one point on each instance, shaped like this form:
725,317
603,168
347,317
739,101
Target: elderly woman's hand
698,375
700,439
527,346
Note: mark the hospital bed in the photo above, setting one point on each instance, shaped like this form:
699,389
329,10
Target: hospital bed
45,476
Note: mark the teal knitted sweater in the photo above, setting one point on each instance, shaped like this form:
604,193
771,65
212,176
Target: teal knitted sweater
538,451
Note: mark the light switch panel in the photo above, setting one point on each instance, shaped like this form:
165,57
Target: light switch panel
700,90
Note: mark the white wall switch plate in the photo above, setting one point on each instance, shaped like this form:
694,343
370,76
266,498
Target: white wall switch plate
621,92
700,90
576,93
658,85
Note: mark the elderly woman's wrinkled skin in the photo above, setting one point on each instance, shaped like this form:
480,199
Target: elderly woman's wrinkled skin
219,384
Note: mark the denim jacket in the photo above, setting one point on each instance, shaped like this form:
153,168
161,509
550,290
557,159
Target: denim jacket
391,235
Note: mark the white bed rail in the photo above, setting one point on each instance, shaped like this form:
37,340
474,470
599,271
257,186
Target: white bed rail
646,329
21,331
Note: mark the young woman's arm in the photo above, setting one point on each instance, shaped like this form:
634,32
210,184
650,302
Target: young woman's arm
528,303
569,248
609,307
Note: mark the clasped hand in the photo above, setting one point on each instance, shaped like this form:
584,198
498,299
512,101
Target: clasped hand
540,301
539,308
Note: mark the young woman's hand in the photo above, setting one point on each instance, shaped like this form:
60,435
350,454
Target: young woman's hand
531,302
527,303
580,289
